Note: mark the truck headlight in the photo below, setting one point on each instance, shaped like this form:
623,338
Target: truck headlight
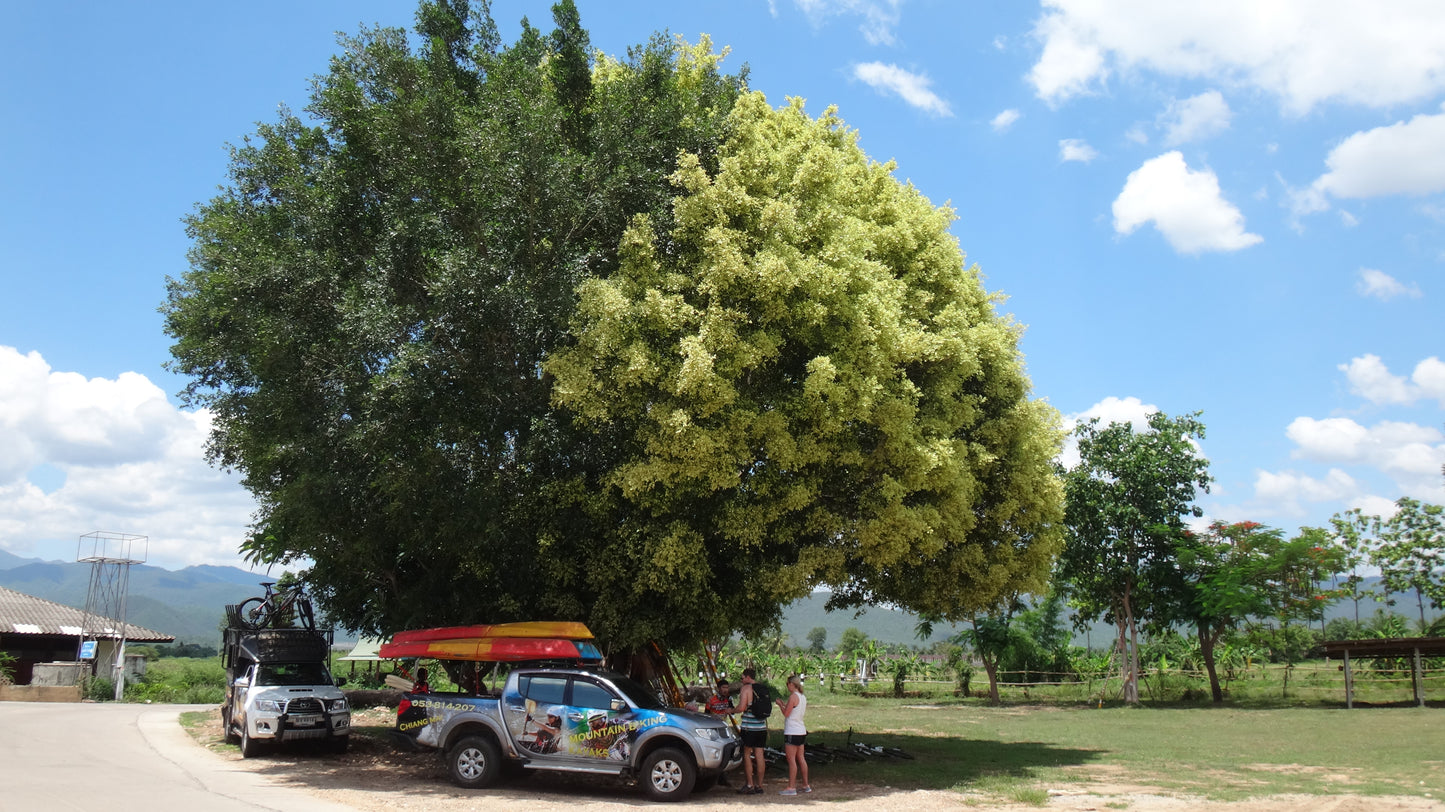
711,734
270,705
337,705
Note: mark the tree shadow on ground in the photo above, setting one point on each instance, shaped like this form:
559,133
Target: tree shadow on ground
944,762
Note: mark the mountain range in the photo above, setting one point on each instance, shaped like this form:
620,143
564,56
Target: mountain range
190,603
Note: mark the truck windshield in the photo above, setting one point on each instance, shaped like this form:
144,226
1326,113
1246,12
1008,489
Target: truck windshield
292,674
639,694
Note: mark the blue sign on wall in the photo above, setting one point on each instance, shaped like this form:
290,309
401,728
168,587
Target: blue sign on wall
87,650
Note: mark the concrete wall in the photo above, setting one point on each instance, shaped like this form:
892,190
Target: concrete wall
52,675
39,693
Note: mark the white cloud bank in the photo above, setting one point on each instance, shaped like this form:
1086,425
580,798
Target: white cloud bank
1305,52
131,463
911,87
1372,380
1185,206
1111,409
1408,454
1404,158
880,17
1195,119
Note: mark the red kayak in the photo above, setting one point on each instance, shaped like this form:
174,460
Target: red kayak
498,643
562,629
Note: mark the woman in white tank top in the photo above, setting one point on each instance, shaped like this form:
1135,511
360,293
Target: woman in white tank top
795,733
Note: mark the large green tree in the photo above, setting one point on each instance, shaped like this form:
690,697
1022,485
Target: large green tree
523,331
1411,553
1126,502
810,388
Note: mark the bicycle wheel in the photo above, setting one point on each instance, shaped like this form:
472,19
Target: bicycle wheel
254,613
304,613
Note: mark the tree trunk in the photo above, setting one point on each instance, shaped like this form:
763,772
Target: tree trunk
1206,651
991,667
1131,679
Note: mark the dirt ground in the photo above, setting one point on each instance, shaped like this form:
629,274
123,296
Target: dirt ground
376,777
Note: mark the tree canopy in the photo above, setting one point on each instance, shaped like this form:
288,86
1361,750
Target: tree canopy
526,331
1127,499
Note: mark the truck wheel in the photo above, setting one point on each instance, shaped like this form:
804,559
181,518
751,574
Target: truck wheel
667,775
250,748
474,762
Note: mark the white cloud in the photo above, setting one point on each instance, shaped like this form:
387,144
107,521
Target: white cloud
1129,410
1381,285
1348,220
1195,119
1409,453
1002,121
131,462
1305,52
880,17
912,87
1286,489
1137,135
1075,149
1372,380
1404,158
1185,206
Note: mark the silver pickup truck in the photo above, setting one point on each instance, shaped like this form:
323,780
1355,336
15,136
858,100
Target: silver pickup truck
580,720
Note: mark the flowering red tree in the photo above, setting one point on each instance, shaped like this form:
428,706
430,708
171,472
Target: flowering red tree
1234,572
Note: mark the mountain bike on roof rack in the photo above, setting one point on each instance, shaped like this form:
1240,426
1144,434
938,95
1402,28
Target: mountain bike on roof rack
278,609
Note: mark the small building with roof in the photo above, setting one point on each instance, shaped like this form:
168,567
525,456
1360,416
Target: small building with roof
36,631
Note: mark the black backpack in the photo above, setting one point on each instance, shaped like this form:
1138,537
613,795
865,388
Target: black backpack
762,705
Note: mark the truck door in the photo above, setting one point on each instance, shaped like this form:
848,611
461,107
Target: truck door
536,712
604,723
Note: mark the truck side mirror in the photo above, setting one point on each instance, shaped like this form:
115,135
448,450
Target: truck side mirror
243,682
618,705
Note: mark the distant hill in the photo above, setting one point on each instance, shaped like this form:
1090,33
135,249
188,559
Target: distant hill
880,623
893,626
8,560
188,603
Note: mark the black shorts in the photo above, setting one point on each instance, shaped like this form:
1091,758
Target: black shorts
799,739
754,738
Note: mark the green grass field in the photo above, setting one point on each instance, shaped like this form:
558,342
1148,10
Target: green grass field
1018,751
1261,742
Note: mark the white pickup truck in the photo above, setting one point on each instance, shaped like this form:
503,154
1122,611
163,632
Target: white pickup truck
279,690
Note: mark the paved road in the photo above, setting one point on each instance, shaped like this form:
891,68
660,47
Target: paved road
124,758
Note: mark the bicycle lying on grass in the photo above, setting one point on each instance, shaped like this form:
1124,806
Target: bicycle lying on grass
871,751
819,753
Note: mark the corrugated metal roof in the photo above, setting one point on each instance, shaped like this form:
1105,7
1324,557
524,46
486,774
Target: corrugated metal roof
1386,647
26,614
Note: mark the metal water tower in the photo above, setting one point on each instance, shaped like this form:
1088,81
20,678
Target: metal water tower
110,556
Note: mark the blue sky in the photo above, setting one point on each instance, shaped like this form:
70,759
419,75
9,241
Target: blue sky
1234,207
